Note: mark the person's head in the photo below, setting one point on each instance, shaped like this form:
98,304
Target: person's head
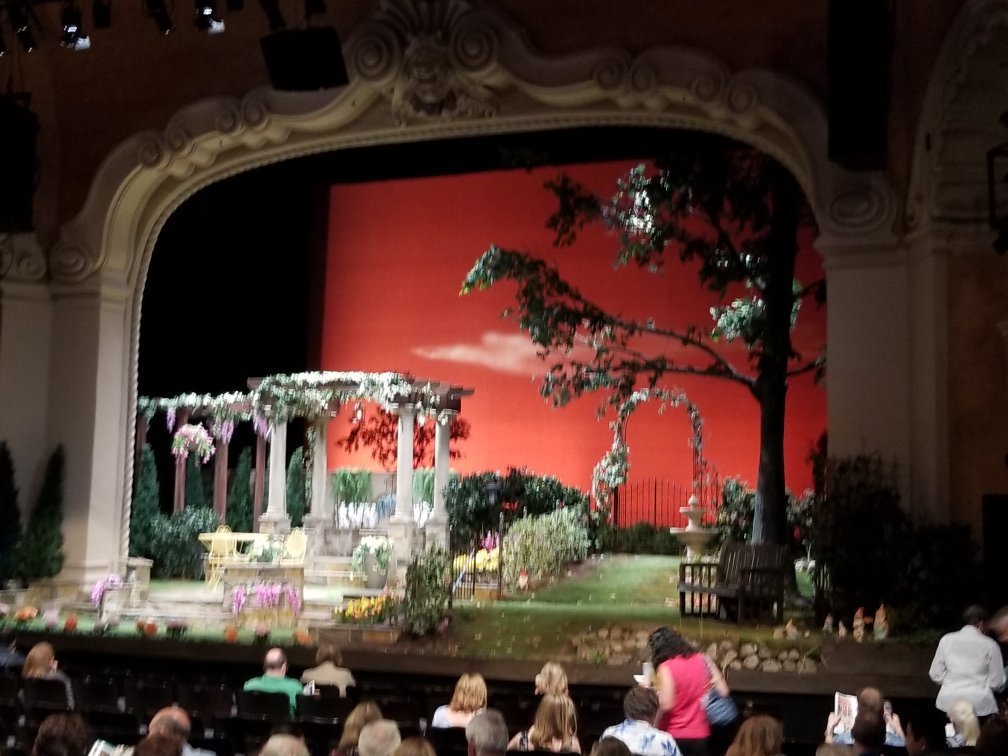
666,643
470,693
275,663
328,652
171,720
868,730
924,733
62,734
555,719
158,744
40,661
998,624
759,735
870,698
832,749
551,679
284,745
362,714
641,703
487,733
963,717
993,740
610,747
975,615
415,746
379,738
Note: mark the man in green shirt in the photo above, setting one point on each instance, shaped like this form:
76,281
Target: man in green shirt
274,678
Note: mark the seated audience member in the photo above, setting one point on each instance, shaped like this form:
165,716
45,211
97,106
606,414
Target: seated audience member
362,714
40,664
174,721
610,747
469,698
554,728
993,740
379,738
328,671
274,678
158,744
868,698
832,749
759,735
415,746
487,734
868,732
924,736
283,744
965,725
640,705
551,679
63,734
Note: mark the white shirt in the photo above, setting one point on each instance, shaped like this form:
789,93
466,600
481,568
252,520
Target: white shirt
968,666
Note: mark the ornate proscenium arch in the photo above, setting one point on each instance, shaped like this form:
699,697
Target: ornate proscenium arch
611,470
419,71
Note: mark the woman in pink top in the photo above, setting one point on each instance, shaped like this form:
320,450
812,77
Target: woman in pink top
683,679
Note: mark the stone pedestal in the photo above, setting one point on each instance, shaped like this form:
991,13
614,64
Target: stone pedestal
401,531
437,530
138,572
274,524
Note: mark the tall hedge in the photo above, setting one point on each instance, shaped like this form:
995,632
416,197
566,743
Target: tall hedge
146,507
41,552
239,500
296,488
10,516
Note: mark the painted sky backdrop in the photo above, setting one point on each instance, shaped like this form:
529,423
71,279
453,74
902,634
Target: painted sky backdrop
397,254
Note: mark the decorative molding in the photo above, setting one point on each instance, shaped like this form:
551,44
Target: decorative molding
967,91
21,257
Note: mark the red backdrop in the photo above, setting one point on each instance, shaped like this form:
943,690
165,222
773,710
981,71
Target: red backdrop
397,254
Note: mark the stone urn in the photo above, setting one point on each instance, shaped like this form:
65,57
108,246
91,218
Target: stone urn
374,577
694,536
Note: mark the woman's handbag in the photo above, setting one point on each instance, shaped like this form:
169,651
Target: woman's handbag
721,710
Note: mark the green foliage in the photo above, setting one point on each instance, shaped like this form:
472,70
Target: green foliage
428,588
41,552
177,550
859,535
544,545
146,506
239,501
471,515
296,488
640,538
423,484
352,486
735,516
195,490
10,516
379,547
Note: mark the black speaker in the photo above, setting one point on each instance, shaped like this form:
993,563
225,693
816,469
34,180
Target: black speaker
858,58
18,131
300,60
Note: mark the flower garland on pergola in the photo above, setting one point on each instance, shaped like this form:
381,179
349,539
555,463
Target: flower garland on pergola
611,470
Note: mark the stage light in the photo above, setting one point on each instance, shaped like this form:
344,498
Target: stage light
73,35
18,14
206,17
273,15
156,10
101,14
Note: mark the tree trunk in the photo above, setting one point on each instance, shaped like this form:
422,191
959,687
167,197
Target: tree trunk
770,509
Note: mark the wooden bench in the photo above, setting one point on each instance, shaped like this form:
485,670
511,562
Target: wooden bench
747,582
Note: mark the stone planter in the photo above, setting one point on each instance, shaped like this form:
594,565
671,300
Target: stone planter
373,578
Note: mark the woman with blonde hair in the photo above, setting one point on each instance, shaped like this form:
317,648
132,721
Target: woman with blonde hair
554,728
469,699
551,679
40,664
964,721
362,714
759,735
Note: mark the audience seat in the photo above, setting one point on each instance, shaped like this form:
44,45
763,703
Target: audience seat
448,741
98,693
323,709
272,707
205,703
146,696
42,698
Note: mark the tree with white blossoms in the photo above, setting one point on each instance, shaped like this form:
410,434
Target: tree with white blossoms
734,212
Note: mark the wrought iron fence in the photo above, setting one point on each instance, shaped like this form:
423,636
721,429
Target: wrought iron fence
657,501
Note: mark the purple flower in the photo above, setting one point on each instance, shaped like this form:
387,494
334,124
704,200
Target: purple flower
293,599
237,599
170,418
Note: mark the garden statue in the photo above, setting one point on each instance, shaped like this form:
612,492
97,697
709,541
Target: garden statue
842,630
790,631
881,629
859,624
827,627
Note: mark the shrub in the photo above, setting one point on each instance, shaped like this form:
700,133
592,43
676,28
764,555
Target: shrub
423,485
239,500
41,551
644,538
146,506
351,485
428,588
195,490
296,488
177,550
735,516
10,516
544,545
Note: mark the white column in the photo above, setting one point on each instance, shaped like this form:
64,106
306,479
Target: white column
275,519
437,525
404,462
319,507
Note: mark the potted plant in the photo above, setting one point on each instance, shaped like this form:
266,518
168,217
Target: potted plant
371,558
